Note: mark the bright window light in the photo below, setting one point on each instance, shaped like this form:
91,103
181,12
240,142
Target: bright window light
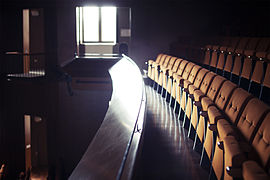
108,24
97,24
91,23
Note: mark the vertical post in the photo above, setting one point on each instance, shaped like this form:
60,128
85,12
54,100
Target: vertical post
26,40
27,131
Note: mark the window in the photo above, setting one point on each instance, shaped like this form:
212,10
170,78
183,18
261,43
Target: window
96,25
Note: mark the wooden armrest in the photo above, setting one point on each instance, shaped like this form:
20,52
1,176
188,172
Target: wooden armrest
212,127
220,145
186,90
234,156
204,114
191,96
234,172
197,103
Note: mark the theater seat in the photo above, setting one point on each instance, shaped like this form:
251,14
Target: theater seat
178,81
162,78
180,71
168,86
246,129
160,60
150,62
158,67
221,60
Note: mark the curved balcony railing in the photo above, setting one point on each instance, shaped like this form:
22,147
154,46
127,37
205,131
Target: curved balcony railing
112,152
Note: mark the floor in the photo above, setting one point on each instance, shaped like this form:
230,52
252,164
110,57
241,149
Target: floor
167,151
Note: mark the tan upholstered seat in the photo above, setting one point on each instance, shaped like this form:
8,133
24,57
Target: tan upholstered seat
180,71
246,69
212,92
207,55
237,65
164,71
150,62
247,126
261,144
221,60
214,58
157,68
168,86
178,80
186,83
155,64
229,60
232,110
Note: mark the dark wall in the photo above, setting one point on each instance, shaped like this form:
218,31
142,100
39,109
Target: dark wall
66,33
155,27
79,118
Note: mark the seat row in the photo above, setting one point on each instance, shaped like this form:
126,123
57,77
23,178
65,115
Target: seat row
227,122
247,68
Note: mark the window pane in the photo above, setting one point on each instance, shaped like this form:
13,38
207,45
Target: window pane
108,24
91,23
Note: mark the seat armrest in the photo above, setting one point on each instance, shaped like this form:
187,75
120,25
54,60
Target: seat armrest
220,145
197,103
234,157
212,127
191,96
234,172
204,114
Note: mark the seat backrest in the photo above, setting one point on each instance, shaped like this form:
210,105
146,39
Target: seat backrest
171,62
214,57
224,94
207,82
176,65
207,55
229,60
263,45
162,59
188,70
226,41
266,80
166,61
215,87
199,78
221,58
159,58
243,43
261,142
194,73
236,104
252,43
237,62
234,42
247,65
251,118
182,67
258,72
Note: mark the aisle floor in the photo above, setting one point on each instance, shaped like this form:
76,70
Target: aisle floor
167,151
